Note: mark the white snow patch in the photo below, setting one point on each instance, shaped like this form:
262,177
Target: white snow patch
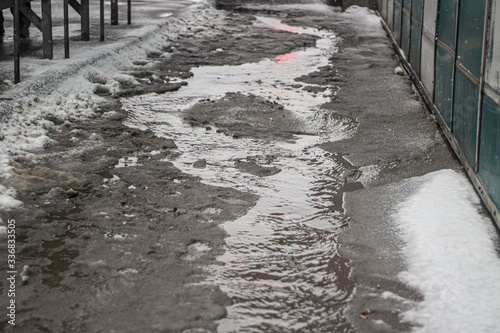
8,198
368,174
3,228
129,271
195,251
367,20
155,152
124,162
120,236
393,296
212,211
450,250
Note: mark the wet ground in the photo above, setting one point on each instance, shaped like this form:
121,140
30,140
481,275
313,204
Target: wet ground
231,187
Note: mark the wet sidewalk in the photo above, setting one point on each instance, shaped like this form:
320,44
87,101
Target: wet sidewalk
262,169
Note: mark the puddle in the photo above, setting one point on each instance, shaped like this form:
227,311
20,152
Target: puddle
106,174
59,258
281,266
63,215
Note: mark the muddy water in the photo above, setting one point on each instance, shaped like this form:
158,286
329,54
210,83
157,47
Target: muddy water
280,266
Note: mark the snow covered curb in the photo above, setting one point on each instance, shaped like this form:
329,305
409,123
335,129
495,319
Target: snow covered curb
451,256
48,81
64,90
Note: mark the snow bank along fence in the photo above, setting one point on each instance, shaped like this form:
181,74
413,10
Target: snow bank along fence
44,24
451,48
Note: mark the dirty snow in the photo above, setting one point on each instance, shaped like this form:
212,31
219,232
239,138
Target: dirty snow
451,254
368,21
68,94
368,174
125,162
7,198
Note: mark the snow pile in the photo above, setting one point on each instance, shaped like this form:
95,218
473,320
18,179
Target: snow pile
63,92
7,199
450,250
367,20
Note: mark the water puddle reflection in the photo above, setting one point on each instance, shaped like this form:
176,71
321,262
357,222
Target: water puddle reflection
281,266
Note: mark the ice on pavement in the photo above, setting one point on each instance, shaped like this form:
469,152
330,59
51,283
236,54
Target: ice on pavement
451,255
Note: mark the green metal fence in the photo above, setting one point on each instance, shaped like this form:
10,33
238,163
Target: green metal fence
452,51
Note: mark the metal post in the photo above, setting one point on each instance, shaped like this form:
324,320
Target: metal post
101,19
114,12
409,32
434,35
66,30
17,43
129,12
457,21
481,83
421,40
47,29
85,16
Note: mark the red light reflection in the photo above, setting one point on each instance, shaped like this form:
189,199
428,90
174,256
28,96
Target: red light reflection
285,27
285,57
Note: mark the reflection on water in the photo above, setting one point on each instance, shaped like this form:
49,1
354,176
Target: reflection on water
281,266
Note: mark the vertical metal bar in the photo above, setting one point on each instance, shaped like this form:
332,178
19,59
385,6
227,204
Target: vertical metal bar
421,39
47,29
66,30
101,19
114,12
409,31
454,68
387,13
17,43
400,25
129,12
481,83
435,52
85,17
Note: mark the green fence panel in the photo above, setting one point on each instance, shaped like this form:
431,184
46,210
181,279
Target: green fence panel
460,75
447,22
397,22
407,5
465,109
405,35
443,84
470,34
416,10
489,149
415,42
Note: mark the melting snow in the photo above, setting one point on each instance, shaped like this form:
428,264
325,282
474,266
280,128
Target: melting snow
450,250
127,162
7,198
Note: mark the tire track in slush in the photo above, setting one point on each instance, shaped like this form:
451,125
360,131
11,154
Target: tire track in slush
280,265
